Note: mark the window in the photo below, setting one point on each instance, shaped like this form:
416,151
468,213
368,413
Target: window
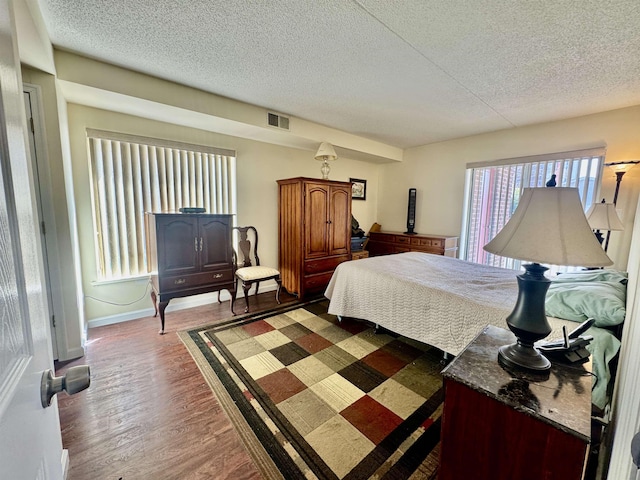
494,188
133,175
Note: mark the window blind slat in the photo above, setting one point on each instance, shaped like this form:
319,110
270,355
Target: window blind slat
129,179
494,192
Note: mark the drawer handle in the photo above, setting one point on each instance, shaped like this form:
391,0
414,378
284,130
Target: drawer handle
218,275
179,281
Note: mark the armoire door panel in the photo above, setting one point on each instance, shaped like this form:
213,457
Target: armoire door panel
317,221
177,247
215,249
340,216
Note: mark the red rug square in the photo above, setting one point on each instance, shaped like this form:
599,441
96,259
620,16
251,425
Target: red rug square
374,420
257,328
281,385
385,362
313,343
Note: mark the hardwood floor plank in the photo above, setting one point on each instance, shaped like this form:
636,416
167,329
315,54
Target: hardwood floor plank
149,412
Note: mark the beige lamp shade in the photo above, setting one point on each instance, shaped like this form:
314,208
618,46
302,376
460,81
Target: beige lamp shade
603,216
549,226
326,152
622,167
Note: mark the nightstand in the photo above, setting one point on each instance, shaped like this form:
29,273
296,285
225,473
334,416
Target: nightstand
513,425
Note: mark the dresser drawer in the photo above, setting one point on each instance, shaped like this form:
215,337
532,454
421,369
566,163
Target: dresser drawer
315,283
324,264
425,249
402,240
179,282
427,242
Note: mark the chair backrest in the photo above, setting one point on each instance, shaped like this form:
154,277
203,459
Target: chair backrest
248,245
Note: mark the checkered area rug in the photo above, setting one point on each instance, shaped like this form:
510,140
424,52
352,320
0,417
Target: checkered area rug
313,397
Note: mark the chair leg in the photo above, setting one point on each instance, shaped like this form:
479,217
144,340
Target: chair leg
257,287
233,297
279,282
246,287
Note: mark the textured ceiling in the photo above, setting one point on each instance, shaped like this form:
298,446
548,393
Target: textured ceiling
405,73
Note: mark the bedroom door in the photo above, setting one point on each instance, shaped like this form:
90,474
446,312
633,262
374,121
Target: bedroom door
30,440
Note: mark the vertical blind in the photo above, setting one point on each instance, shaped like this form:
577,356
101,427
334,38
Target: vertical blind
132,175
494,190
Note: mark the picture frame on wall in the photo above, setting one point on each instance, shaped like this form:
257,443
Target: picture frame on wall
358,189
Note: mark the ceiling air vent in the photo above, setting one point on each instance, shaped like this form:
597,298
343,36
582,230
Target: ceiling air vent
279,121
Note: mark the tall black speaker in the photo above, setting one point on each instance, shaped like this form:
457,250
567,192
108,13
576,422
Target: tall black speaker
411,212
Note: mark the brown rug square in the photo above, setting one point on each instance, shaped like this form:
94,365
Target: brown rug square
313,397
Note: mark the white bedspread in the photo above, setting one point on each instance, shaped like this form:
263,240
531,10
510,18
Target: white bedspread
437,300
443,302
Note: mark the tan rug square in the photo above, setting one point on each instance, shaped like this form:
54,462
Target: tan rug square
397,398
337,392
310,370
306,411
260,365
340,444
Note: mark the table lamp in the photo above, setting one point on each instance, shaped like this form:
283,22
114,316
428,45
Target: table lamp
549,226
325,154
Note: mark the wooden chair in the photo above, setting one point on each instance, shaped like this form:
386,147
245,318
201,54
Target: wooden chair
249,272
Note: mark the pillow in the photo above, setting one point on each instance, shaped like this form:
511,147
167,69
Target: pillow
597,294
599,275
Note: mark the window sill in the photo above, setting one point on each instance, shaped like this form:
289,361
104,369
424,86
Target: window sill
136,278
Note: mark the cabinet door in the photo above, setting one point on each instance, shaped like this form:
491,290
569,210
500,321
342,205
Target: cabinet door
215,238
339,220
177,245
316,219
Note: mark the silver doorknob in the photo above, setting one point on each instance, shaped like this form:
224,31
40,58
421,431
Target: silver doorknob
75,380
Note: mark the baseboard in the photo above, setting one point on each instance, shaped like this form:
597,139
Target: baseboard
71,354
120,317
174,305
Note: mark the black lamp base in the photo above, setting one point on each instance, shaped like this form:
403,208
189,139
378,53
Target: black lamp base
525,357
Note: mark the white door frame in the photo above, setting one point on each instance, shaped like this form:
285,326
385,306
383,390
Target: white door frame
43,186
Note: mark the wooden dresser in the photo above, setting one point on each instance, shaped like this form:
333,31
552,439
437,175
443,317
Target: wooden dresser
500,425
188,254
384,243
314,232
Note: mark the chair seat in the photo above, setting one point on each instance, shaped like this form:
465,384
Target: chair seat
247,274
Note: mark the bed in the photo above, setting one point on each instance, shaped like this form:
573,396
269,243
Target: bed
445,302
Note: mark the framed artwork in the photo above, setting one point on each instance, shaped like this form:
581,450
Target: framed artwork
358,189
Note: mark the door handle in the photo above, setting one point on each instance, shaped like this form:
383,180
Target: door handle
75,380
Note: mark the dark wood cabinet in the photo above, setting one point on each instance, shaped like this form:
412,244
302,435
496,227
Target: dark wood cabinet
188,254
314,232
385,243
505,425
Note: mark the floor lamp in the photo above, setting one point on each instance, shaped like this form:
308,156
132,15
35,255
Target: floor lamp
620,168
603,217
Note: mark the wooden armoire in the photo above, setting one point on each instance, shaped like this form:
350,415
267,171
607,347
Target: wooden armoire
188,254
314,232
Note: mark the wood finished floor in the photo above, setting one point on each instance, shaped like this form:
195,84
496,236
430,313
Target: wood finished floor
148,413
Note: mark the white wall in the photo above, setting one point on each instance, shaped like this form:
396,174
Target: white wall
438,171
